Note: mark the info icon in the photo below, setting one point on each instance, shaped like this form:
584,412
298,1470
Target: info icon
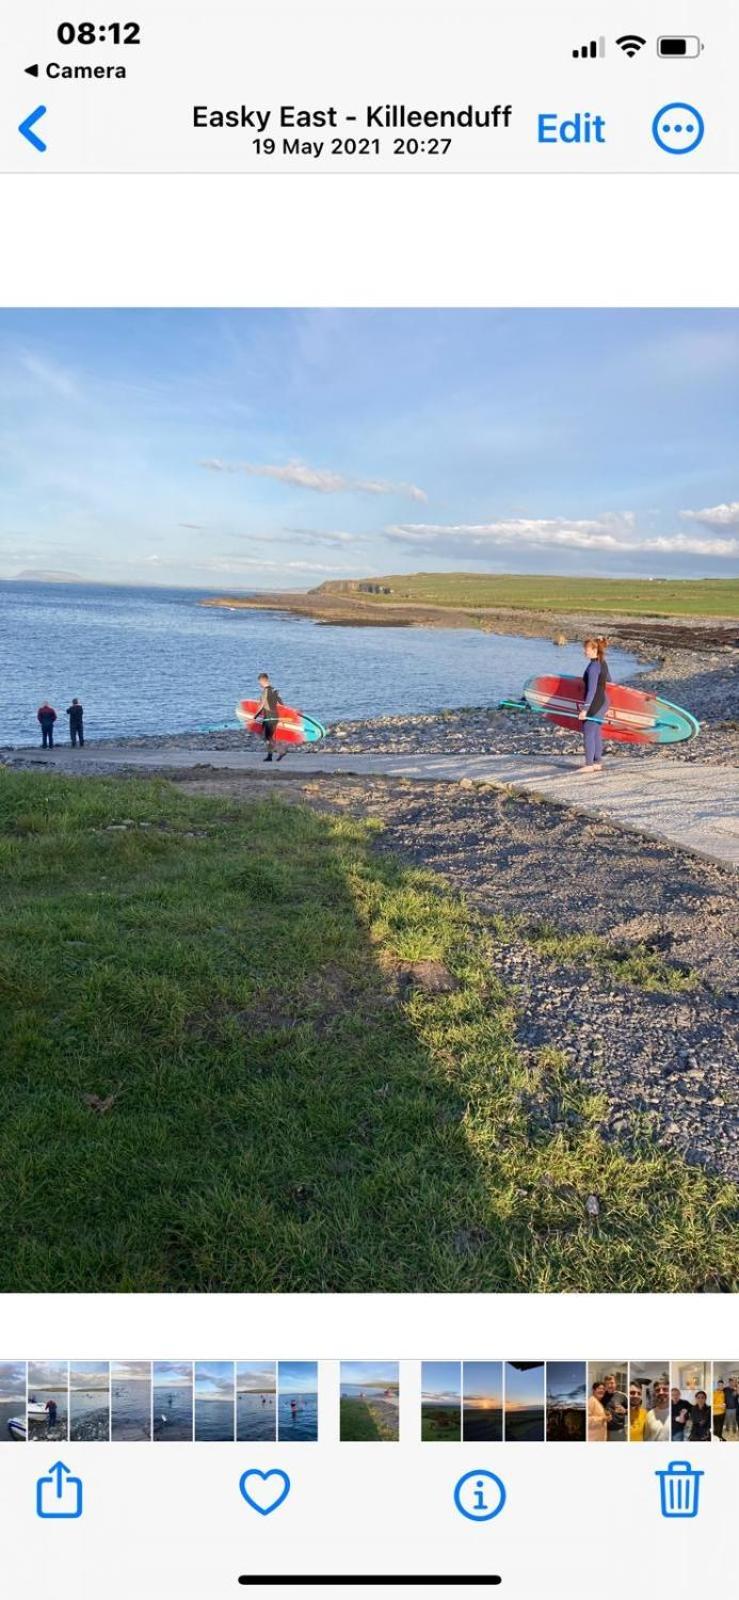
479,1495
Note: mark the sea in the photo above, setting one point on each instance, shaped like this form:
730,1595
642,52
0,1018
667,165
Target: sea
153,661
253,1419
301,1425
214,1420
130,1409
172,1411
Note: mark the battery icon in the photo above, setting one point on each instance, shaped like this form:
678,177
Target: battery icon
679,46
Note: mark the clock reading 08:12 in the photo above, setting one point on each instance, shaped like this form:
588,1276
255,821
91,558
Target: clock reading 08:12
99,33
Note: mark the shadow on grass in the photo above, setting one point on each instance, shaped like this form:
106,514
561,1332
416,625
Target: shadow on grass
217,1076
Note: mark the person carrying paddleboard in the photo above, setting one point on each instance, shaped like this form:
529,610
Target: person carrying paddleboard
269,712
594,680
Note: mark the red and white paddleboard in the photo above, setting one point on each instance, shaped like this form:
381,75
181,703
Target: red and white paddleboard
293,727
629,715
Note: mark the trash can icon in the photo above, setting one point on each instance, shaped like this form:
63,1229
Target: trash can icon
679,1488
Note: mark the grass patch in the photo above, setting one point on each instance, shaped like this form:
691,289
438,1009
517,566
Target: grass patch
214,1076
366,1420
636,964
659,597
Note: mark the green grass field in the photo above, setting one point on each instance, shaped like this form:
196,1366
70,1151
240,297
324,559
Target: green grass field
709,597
362,1421
212,1077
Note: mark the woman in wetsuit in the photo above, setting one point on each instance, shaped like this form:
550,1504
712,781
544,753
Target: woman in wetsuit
594,680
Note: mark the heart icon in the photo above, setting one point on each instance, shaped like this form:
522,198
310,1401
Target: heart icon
261,1494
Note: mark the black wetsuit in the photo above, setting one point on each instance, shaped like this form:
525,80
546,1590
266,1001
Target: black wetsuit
76,729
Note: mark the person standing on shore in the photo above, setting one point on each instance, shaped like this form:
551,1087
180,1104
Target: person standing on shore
75,712
269,712
46,716
595,678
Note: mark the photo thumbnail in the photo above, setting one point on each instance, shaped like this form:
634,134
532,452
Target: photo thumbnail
130,1401
441,1401
726,1401
369,738
13,1424
567,1399
172,1401
369,1401
256,1400
89,1401
483,1401
608,1405
214,1401
690,1402
47,1409
650,1402
297,1402
524,1401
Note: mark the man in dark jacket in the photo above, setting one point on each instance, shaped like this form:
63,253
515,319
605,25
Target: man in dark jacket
75,712
46,715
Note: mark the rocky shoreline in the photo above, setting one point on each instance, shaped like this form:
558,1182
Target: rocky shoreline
706,681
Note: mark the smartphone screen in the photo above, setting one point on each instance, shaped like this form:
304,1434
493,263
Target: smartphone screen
369,799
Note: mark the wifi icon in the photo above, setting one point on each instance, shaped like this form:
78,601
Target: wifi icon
630,43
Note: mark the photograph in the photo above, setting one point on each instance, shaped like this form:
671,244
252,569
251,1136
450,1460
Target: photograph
130,1401
89,1401
256,1400
566,1400
651,1414
13,1425
608,1402
691,1398
172,1401
482,1412
214,1401
297,1402
369,1401
726,1401
524,1401
351,562
47,1409
441,1401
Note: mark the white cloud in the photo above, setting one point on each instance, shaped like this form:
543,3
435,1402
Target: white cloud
724,516
320,479
610,533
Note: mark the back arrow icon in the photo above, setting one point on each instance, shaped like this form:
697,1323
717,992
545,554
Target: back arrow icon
26,128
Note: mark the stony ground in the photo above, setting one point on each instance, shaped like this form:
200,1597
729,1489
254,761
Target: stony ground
650,1015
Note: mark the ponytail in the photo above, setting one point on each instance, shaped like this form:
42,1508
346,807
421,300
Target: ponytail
600,645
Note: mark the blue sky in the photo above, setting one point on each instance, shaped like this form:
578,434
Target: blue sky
297,1377
441,1380
173,1374
523,1388
566,1380
238,449
483,1380
214,1380
369,1372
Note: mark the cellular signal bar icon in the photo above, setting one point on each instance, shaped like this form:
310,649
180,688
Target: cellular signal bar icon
589,52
